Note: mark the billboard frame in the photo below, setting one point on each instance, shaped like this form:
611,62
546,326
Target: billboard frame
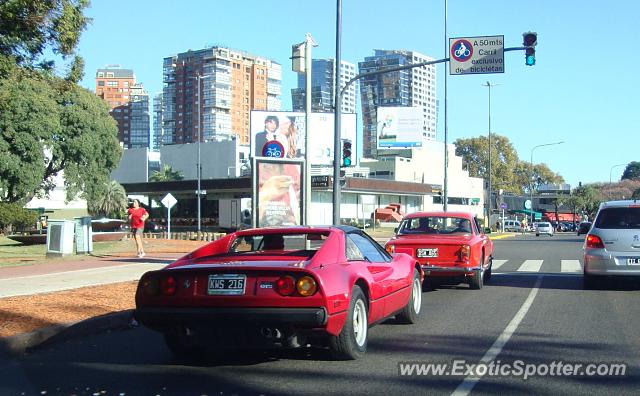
256,163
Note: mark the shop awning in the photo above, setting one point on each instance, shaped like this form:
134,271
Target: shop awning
536,215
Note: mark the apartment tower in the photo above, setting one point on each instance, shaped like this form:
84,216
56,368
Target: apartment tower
232,83
323,77
414,87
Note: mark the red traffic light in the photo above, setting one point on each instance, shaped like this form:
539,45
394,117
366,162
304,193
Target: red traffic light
529,39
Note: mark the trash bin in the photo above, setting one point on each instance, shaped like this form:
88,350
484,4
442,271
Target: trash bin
84,235
60,237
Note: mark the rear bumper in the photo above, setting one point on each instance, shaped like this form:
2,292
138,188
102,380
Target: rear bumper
448,270
600,262
162,317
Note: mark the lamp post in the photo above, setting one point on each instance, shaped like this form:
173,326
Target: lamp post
198,78
489,85
531,178
610,171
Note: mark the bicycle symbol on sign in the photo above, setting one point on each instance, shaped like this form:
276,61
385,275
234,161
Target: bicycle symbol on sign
462,50
274,152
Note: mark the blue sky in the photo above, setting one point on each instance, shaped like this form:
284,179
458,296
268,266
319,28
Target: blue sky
583,89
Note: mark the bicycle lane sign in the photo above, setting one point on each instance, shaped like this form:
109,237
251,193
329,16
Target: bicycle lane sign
476,55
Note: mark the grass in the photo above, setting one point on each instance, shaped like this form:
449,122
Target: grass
14,253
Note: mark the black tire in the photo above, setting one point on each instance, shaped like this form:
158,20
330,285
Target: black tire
488,271
348,345
410,312
590,282
477,279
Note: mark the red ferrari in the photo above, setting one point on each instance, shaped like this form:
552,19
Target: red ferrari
280,286
446,244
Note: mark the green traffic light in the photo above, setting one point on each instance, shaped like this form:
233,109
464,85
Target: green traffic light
346,162
531,60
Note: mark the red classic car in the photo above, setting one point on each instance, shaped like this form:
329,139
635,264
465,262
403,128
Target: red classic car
280,286
446,244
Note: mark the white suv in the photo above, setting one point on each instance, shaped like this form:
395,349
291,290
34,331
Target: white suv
612,246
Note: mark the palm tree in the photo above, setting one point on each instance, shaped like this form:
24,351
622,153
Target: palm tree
111,203
166,174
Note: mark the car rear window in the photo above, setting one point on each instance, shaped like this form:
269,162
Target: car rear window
618,218
434,225
291,244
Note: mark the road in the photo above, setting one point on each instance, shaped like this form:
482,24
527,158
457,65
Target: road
533,311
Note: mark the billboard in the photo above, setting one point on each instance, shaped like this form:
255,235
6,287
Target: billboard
281,134
278,188
399,127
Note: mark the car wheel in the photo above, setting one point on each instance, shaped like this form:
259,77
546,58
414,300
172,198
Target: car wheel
351,343
487,273
477,280
590,282
410,312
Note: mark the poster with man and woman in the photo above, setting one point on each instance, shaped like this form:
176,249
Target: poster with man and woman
281,134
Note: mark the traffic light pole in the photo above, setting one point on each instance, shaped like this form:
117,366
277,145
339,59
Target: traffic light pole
337,191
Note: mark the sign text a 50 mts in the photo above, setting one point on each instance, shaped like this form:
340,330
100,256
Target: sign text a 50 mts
476,55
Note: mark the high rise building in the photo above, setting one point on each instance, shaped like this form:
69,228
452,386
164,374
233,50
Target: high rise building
128,104
323,79
158,134
414,87
232,84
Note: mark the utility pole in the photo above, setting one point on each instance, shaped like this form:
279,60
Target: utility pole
337,106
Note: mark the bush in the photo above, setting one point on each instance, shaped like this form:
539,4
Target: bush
14,215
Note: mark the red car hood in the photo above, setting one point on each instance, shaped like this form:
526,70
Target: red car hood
231,262
431,239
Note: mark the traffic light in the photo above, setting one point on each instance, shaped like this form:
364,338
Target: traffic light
346,153
529,41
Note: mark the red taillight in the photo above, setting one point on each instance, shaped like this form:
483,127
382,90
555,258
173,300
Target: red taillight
465,252
286,285
150,286
593,242
168,286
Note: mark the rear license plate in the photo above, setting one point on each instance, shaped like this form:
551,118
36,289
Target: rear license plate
226,284
633,261
427,252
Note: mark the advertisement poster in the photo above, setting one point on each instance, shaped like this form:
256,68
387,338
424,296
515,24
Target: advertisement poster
281,134
399,127
279,192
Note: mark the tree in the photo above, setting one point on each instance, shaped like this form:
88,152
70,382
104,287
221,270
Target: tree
29,27
632,171
12,214
636,194
111,203
475,154
508,172
166,174
49,125
588,199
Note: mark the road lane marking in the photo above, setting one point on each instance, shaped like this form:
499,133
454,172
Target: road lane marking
570,266
531,266
497,264
467,385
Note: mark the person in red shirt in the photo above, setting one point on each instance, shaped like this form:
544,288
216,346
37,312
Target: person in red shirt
137,217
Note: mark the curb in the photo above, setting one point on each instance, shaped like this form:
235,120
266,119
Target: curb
502,236
22,343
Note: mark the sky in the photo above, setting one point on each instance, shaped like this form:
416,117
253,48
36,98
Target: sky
583,89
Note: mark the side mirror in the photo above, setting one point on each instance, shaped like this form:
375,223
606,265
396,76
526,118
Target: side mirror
395,230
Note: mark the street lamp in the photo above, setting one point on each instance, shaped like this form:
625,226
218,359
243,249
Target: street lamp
489,85
198,78
531,178
611,170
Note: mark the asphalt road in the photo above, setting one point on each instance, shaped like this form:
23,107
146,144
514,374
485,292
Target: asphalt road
534,312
